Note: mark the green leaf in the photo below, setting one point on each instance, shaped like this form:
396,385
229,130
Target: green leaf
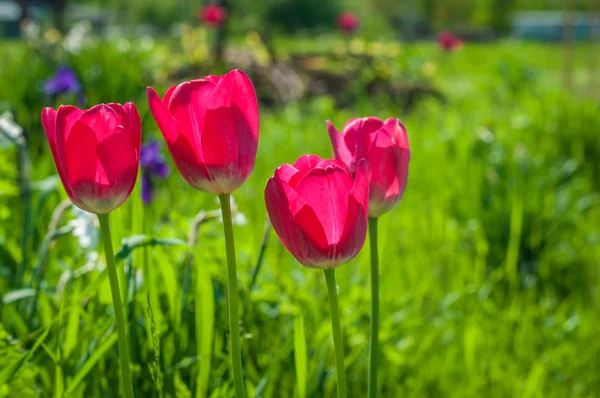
300,355
91,362
137,241
205,326
51,354
7,373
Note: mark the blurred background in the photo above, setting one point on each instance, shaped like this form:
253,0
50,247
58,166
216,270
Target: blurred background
490,282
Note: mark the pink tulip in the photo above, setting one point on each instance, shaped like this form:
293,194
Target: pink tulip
213,15
449,42
96,151
211,129
348,22
318,210
385,146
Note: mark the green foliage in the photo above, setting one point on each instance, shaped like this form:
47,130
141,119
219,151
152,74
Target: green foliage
489,283
292,15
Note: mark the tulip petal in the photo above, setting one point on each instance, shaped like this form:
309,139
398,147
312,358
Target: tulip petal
82,166
323,164
165,121
398,132
167,98
135,124
236,90
102,120
219,140
340,150
362,181
121,115
49,124
326,191
189,166
181,147
119,158
303,165
213,79
296,223
357,136
188,105
306,163
285,172
244,96
66,116
355,230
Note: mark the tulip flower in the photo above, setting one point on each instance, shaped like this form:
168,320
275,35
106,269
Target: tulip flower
449,42
213,15
319,213
97,153
385,146
348,22
318,210
211,128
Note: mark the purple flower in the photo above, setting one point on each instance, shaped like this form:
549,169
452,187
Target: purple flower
63,82
153,165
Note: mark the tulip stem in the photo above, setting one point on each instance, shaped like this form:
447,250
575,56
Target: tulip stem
236,353
374,336
337,332
116,297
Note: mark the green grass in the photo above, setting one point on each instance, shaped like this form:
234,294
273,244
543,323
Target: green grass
489,266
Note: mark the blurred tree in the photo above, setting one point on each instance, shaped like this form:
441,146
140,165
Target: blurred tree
292,15
500,12
58,10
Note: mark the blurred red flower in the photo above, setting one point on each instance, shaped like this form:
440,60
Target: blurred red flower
449,42
348,22
213,15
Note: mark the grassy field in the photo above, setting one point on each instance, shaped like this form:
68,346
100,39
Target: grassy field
489,266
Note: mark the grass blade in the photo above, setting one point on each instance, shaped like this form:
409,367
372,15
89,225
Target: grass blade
300,355
91,362
10,370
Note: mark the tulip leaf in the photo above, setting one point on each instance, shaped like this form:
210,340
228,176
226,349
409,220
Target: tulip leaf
137,241
7,373
98,353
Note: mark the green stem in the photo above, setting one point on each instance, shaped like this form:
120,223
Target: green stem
116,297
337,332
234,328
374,336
